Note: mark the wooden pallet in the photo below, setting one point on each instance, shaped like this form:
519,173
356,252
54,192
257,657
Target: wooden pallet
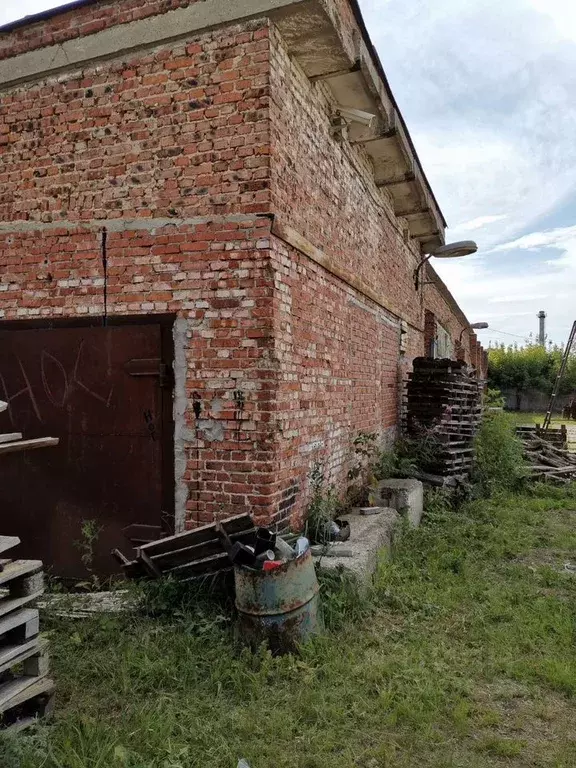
441,396
26,691
192,554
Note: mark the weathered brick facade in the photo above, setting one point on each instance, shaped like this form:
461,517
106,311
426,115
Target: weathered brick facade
230,206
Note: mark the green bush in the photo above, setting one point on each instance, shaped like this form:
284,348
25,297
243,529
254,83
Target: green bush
322,508
499,463
409,456
494,399
529,367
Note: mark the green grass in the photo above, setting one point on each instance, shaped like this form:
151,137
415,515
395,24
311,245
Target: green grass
522,419
463,657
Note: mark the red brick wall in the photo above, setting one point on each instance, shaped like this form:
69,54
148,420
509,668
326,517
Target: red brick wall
338,351
179,132
325,190
439,310
170,150
183,152
338,356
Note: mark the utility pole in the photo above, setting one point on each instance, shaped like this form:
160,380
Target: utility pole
542,328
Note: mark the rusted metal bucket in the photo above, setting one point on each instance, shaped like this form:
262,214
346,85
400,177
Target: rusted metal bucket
279,606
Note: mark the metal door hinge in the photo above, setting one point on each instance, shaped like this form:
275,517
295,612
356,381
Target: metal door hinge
151,367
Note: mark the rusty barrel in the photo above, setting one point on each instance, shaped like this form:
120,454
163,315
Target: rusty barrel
281,606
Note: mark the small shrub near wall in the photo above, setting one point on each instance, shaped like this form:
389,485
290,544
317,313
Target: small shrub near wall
499,463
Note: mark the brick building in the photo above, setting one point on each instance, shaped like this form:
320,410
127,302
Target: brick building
206,269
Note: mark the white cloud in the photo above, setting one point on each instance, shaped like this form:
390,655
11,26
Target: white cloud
560,237
562,13
487,89
510,300
479,222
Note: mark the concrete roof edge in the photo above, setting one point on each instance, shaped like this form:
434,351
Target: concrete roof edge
378,64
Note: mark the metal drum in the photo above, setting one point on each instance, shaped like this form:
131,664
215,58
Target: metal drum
279,606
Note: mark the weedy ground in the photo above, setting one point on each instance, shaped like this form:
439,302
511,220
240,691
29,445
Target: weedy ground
463,655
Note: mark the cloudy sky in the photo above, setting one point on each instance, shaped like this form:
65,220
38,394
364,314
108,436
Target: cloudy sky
488,89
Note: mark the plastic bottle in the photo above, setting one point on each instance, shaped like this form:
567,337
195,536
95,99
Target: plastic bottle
302,546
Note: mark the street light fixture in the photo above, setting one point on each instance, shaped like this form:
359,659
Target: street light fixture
472,327
450,251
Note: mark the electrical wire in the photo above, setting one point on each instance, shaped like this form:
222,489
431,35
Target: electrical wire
507,333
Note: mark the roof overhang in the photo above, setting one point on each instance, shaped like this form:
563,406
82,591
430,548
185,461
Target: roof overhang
355,77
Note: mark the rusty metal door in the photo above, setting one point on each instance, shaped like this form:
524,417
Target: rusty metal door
100,391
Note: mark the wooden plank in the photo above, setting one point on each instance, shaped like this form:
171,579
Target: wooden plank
25,621
37,664
16,568
547,469
8,542
23,689
24,586
198,551
201,567
150,566
12,655
28,445
10,652
138,533
10,437
197,536
9,604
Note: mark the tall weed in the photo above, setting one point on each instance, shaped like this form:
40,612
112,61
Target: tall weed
499,463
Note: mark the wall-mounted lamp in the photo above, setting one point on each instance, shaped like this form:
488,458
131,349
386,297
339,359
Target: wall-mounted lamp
473,327
450,251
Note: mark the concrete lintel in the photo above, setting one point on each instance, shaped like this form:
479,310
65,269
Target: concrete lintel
300,243
334,75
406,178
411,213
420,228
124,225
142,33
311,37
375,85
303,245
372,140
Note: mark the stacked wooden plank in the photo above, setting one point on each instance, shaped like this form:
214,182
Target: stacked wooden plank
443,407
546,461
189,555
558,436
26,691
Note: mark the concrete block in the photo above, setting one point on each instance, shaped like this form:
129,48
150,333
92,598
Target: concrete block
368,536
405,496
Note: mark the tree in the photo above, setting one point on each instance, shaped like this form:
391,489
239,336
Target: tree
529,367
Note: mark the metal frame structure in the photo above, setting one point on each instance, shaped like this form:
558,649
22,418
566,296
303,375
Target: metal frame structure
565,356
